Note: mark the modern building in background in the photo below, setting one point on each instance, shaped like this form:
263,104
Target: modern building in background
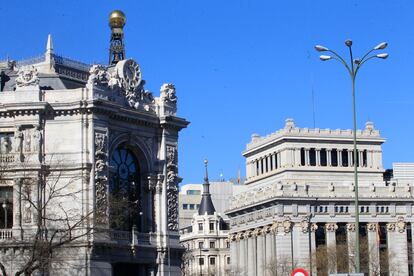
190,197
298,209
89,166
206,243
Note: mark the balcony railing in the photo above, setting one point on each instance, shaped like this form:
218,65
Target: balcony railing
6,234
6,158
131,237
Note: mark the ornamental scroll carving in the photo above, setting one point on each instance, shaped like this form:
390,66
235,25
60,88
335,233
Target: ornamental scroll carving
101,177
172,188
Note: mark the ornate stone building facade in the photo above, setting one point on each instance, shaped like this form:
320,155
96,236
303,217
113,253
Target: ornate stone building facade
206,243
99,154
299,202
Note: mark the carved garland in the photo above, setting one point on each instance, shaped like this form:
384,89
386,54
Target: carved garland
101,178
172,188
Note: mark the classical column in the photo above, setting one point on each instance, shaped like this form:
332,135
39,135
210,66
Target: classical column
307,160
331,246
279,161
251,253
260,256
397,247
301,236
350,158
297,157
284,241
233,252
328,157
270,254
350,227
241,265
318,157
339,152
373,248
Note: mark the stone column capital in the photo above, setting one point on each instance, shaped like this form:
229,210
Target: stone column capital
391,227
372,227
332,227
257,232
400,225
350,227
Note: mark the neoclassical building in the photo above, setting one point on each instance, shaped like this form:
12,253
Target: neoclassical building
206,243
298,209
89,166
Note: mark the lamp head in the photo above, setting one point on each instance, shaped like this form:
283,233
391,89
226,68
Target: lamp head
321,48
381,46
383,55
324,57
348,42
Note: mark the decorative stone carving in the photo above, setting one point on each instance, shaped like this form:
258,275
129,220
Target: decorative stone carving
314,227
400,225
372,227
304,225
350,227
167,93
257,232
27,76
331,227
391,227
101,178
239,236
18,141
5,145
98,75
36,139
172,188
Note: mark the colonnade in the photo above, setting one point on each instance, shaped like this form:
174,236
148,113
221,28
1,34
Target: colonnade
296,157
277,247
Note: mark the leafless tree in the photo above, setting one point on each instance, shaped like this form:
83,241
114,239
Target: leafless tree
281,266
50,199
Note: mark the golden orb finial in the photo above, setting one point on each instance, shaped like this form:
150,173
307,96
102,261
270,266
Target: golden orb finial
117,19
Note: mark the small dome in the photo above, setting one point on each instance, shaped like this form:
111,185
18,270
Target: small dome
117,19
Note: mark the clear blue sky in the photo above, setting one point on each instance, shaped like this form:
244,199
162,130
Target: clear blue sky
241,66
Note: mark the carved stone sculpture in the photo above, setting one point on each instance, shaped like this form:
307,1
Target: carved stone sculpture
172,188
101,179
331,227
27,76
167,93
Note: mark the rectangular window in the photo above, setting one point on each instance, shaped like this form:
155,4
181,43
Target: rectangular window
191,206
213,261
200,227
201,261
211,226
212,245
228,260
193,192
200,244
185,206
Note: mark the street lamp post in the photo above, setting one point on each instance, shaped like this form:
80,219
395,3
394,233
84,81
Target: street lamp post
353,67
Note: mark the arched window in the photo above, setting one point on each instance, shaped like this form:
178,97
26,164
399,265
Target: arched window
125,190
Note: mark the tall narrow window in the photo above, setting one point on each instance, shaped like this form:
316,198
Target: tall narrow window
267,164
276,160
125,191
257,167
6,207
302,157
271,162
334,158
364,158
312,157
345,158
323,157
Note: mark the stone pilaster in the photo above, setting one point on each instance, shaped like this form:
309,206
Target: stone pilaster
234,252
397,247
242,265
260,257
270,249
251,253
331,246
284,243
373,248
350,227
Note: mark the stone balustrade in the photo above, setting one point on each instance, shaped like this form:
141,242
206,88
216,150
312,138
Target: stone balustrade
6,234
